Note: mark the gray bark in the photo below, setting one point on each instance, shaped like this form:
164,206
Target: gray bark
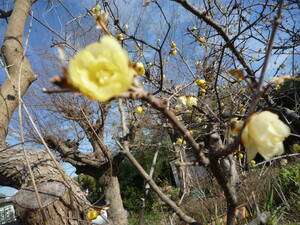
14,173
111,187
17,65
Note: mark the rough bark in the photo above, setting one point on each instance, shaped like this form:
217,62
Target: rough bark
18,66
14,173
111,187
99,168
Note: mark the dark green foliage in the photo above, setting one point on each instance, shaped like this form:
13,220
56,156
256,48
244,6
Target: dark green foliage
132,183
289,180
283,195
90,185
287,94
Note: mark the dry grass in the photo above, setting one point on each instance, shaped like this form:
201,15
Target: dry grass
252,191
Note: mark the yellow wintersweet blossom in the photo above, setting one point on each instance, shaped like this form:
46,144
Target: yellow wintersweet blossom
191,101
182,100
200,82
101,70
139,110
180,141
252,163
139,68
179,118
120,37
96,10
91,214
173,51
202,92
264,134
173,44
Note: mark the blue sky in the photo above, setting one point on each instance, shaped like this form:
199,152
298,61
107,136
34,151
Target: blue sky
152,27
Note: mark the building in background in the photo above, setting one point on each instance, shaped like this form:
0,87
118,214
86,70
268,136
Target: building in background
7,211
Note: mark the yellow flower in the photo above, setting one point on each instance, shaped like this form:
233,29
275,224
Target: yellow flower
180,141
200,82
96,10
173,44
264,134
120,37
179,118
91,214
191,132
182,100
139,68
202,92
191,101
101,71
173,52
277,87
239,80
252,163
139,110
243,110
241,155
158,40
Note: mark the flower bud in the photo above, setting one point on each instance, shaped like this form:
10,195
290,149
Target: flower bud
139,68
191,101
139,110
120,37
91,214
200,82
173,44
173,52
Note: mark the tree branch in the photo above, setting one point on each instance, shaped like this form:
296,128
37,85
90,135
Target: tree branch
221,32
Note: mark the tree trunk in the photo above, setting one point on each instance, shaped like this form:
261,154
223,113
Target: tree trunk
19,69
111,188
58,208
